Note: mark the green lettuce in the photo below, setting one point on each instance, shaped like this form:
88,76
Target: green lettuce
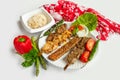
87,19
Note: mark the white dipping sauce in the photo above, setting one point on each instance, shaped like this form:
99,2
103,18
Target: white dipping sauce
84,32
37,20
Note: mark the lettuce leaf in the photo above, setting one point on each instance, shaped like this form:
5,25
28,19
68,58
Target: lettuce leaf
87,19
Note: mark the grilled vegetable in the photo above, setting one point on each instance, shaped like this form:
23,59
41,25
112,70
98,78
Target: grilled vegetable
53,28
94,50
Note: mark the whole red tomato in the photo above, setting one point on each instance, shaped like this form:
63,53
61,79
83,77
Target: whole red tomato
22,44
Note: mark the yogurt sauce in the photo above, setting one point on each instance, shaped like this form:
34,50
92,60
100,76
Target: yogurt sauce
84,32
37,20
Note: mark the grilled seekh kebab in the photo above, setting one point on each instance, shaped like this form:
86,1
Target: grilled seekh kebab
61,51
75,52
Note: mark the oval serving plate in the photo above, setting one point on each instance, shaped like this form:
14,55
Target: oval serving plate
60,62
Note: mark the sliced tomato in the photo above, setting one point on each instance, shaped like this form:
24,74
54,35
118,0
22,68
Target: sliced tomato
71,28
84,57
90,44
80,27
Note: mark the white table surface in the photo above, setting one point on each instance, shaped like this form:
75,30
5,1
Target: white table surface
105,66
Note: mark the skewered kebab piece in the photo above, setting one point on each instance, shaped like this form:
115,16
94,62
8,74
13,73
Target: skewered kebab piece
75,52
61,51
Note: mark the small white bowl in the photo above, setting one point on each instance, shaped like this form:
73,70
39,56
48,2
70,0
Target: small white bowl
84,32
24,19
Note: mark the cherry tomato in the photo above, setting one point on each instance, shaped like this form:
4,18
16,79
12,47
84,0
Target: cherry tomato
84,57
90,44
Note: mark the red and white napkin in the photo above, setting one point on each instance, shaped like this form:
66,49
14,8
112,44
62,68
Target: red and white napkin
69,11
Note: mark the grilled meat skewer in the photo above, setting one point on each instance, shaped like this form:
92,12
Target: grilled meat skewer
73,56
61,51
75,52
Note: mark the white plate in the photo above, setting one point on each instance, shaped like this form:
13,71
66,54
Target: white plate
24,19
60,62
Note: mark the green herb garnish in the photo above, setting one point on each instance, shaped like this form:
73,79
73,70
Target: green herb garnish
29,58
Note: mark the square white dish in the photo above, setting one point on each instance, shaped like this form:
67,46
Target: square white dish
25,17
